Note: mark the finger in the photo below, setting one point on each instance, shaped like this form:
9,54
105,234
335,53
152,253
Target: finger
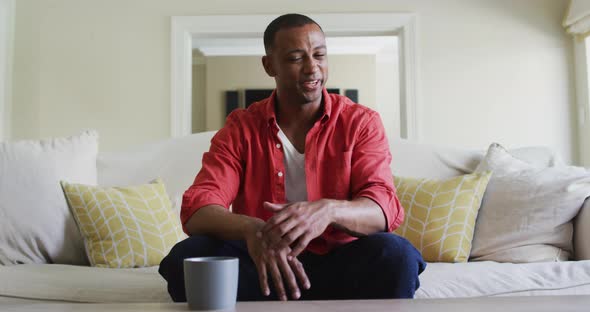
275,220
278,234
293,234
289,277
300,245
269,239
272,206
270,223
263,278
300,273
278,280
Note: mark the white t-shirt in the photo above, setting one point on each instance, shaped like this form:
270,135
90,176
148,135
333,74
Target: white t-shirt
295,184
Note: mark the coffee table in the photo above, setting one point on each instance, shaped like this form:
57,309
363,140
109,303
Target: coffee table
503,304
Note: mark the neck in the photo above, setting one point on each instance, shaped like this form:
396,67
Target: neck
297,114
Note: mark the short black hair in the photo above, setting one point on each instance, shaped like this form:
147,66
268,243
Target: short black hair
282,22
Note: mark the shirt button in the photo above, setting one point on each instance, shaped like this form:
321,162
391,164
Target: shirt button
280,174
278,145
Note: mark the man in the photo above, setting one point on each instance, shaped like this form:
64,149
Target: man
313,198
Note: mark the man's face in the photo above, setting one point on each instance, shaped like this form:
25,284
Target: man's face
299,63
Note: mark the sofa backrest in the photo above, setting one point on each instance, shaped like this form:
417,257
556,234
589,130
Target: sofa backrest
178,160
421,160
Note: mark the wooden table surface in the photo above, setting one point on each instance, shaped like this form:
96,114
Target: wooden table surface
496,304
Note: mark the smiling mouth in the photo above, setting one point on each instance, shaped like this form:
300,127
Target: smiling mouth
311,84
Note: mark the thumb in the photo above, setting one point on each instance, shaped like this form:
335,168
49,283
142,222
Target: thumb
273,207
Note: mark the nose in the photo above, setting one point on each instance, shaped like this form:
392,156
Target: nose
310,65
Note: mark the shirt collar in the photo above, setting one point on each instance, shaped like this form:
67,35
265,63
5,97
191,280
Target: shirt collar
271,117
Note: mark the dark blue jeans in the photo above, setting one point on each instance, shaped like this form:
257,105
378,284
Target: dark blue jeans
377,266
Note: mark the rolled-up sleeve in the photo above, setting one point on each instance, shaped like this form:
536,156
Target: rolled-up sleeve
371,175
218,181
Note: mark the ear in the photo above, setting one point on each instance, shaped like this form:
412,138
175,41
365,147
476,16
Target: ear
267,64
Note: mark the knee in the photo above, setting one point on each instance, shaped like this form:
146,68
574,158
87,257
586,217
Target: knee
396,252
396,263
193,246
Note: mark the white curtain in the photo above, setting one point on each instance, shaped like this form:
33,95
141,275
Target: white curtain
577,20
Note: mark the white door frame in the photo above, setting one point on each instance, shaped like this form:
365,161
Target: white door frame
582,100
7,9
185,29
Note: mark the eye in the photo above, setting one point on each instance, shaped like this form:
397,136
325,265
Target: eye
294,59
320,55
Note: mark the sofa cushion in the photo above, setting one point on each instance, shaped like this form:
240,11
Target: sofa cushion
57,282
527,211
439,280
124,227
440,214
488,278
35,223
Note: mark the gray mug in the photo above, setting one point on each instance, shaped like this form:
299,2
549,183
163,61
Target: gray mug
211,283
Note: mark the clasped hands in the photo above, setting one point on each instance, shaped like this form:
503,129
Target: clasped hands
276,243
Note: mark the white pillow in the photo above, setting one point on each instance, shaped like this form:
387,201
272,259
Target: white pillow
35,223
527,211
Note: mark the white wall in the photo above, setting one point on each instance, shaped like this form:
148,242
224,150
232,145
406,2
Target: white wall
498,71
490,70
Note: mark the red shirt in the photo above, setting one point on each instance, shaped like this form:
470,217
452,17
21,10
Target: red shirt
346,156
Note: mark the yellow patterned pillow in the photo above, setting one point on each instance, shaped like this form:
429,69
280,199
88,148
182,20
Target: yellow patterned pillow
440,214
124,227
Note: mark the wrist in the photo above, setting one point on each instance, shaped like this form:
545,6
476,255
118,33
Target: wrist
333,207
251,227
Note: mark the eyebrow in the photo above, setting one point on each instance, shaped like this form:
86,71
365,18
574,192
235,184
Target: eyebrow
303,51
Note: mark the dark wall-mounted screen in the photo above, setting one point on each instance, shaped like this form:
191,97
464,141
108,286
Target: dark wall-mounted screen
231,101
255,95
352,94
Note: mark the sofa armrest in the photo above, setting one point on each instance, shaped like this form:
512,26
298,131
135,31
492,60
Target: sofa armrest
582,232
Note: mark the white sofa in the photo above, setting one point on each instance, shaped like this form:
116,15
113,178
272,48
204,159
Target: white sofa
178,160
